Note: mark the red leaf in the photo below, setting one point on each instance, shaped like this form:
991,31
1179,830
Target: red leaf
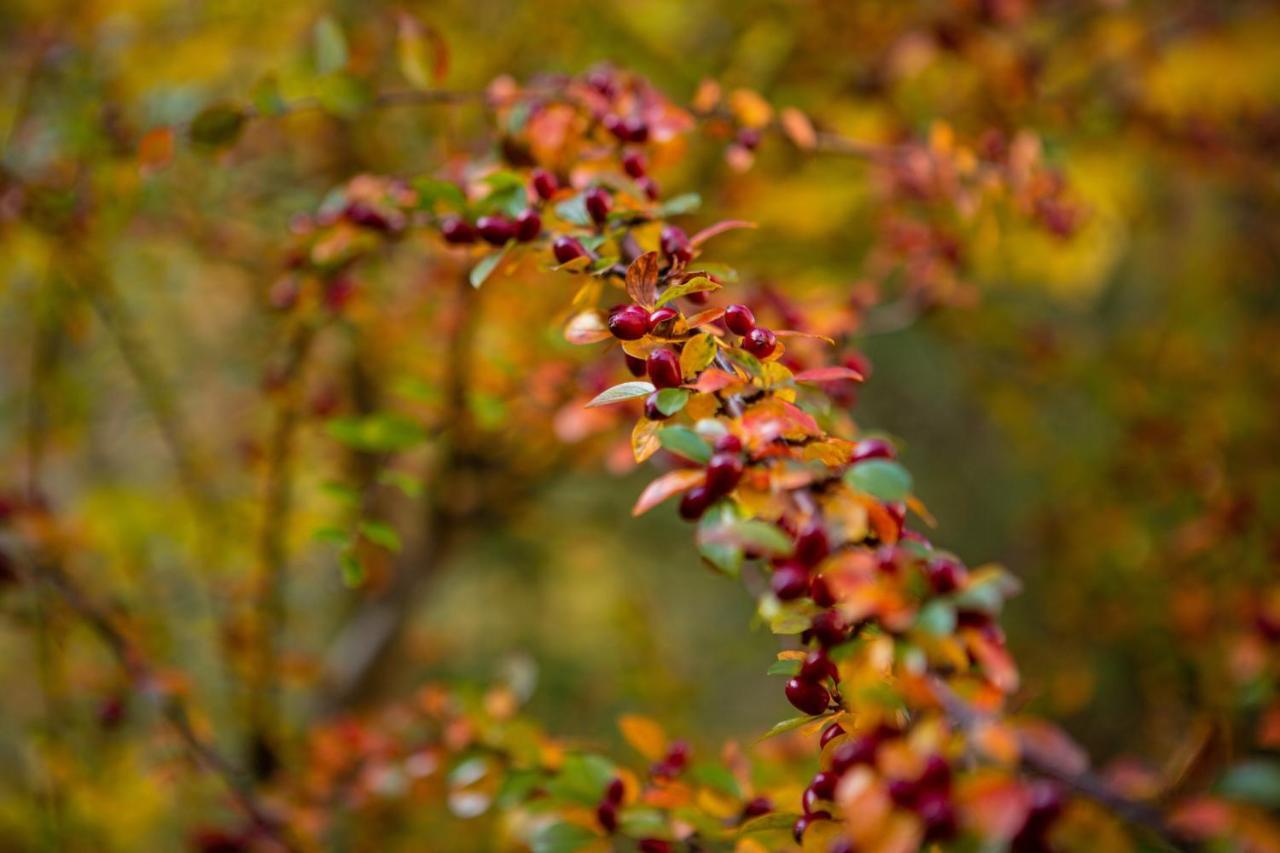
714,379
828,374
671,483
719,228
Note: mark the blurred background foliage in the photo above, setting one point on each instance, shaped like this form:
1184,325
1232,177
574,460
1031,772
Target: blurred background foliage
1098,414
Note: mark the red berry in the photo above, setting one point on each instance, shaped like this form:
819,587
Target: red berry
615,790
809,696
664,315
635,129
649,187
614,124
651,410
812,545
790,581
694,503
817,667
760,342
903,792
629,322
936,774
851,753
938,815
663,366
824,785
496,230
739,319
945,574
528,226
633,164
828,628
728,443
830,733
544,184
454,229
367,216
820,592
567,249
756,807
675,244
635,366
653,845
723,473
607,816
598,203
872,448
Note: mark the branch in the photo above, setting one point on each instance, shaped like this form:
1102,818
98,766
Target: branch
1083,783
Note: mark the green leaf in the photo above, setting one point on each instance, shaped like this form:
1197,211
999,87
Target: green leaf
333,536
683,441
433,191
880,478
784,667
561,837
639,822
378,433
481,271
671,400
1256,781
380,533
352,571
618,393
987,590
582,778
574,211
937,617
790,725
774,821
693,285
343,95
217,125
329,45
265,97
716,776
411,487
686,203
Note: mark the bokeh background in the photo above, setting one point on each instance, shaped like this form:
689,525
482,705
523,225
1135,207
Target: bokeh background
1097,413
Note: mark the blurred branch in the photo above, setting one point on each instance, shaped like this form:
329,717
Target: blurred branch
172,707
1083,782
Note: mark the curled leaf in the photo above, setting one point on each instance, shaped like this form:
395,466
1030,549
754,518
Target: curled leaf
642,280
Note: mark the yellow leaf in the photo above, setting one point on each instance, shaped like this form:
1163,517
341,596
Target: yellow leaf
645,735
697,354
644,439
749,108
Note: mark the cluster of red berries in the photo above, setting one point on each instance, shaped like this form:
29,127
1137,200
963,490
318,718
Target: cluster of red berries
494,229
672,764
757,340
723,472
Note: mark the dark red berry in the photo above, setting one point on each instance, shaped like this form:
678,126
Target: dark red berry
903,792
651,410
456,230
824,785
677,755
728,443
567,249
615,125
635,129
367,216
828,628
739,319
635,366
817,667
544,184
675,244
936,774
809,696
607,816
654,845
756,807
945,574
802,824
812,545
649,187
829,734
633,164
820,592
749,138
790,581
629,322
809,801
598,203
528,226
723,473
872,448
496,230
615,790
853,752
938,816
662,318
760,342
663,366
694,503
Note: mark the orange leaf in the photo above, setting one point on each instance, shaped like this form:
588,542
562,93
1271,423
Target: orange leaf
714,379
642,279
669,484
792,333
646,736
702,318
828,374
798,128
992,804
155,149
